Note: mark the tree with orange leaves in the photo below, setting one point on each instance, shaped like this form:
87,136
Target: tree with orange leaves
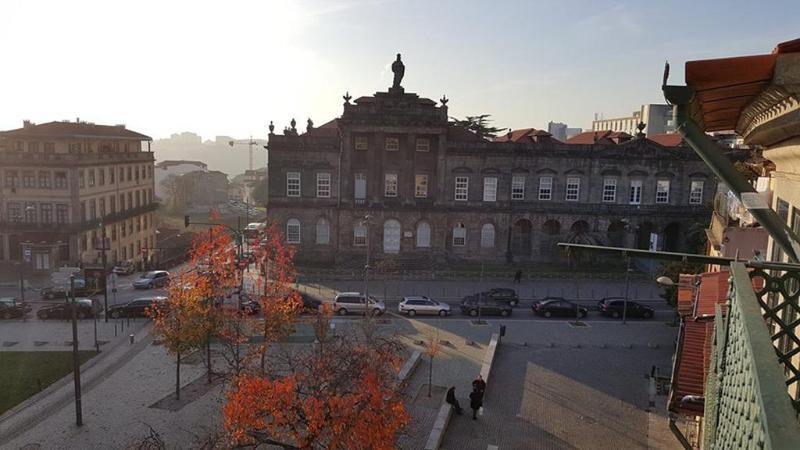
340,393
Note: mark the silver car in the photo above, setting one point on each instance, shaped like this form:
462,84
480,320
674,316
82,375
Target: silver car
353,302
414,305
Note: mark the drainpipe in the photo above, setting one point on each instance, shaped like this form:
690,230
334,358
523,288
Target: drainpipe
680,97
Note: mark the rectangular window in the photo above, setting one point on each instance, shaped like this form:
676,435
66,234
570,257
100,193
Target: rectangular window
573,189
46,212
490,189
696,192
91,177
33,147
30,213
138,199
28,179
45,182
462,189
130,200
635,197
113,204
423,145
361,143
83,211
293,231
609,190
61,213
49,147
293,184
360,235
323,185
14,211
662,191
545,188
421,186
518,187
92,209
130,172
390,185
101,175
102,207
360,187
392,144
12,179
111,173
61,180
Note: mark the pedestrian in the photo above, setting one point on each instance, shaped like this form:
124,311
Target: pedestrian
518,276
479,384
451,399
475,402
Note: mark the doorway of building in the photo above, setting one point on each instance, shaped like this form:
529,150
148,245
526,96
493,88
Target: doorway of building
521,237
391,236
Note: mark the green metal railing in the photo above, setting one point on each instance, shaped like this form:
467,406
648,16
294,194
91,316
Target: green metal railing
747,400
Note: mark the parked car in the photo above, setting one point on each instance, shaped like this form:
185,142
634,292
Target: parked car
154,278
124,268
558,307
58,292
248,305
488,306
614,306
347,302
507,295
310,304
414,305
135,308
11,308
64,310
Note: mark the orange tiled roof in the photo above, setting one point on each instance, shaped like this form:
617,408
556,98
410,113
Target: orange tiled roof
667,139
599,137
75,130
691,368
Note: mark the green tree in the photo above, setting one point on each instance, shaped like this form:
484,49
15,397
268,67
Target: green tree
479,125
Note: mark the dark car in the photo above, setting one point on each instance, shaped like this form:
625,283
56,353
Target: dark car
64,310
488,306
11,308
558,307
136,308
507,295
58,292
614,306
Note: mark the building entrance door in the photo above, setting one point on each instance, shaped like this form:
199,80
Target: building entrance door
41,261
521,238
391,236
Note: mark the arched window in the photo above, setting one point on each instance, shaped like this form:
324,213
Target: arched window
423,235
459,235
293,231
359,234
323,231
487,236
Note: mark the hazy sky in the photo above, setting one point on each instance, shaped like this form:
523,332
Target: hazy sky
229,67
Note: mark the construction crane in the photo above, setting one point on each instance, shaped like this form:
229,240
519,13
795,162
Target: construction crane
250,143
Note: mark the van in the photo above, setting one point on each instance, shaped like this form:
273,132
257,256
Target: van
353,302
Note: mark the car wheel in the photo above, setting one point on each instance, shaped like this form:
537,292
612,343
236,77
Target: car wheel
115,314
615,314
647,315
505,312
513,303
7,315
411,313
443,313
42,315
342,312
583,314
473,312
376,312
548,314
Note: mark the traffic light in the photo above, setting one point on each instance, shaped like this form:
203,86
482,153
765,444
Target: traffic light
186,221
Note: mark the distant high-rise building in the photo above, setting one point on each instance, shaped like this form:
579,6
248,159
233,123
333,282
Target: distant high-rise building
561,131
657,120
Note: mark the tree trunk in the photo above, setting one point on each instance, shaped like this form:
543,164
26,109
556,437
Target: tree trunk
178,377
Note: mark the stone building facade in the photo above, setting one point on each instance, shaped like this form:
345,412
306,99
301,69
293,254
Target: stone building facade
65,184
432,191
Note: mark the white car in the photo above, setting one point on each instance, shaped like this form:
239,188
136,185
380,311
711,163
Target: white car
420,304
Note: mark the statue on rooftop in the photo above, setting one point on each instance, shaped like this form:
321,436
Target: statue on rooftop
399,69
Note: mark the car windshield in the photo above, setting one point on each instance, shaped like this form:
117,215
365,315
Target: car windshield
149,275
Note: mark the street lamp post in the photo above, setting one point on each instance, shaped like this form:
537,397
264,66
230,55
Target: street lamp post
76,365
105,268
366,266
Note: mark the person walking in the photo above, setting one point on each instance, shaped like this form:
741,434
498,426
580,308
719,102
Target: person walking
479,384
518,276
475,402
451,399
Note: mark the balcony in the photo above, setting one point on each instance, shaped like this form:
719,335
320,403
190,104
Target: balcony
74,227
752,396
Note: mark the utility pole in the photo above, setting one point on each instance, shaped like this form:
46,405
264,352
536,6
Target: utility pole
627,289
105,268
76,364
366,268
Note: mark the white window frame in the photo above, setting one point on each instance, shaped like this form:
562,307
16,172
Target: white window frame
423,144
572,192
461,189
518,187
696,192
359,176
486,242
546,187
609,190
390,185
293,184
662,191
293,231
361,143
420,186
490,189
391,144
459,235
323,231
634,194
323,184
359,235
